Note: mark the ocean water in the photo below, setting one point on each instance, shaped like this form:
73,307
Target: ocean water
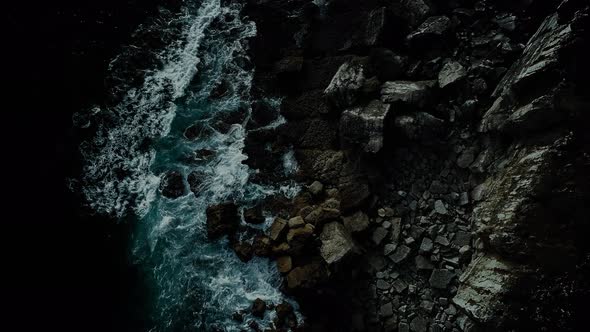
197,284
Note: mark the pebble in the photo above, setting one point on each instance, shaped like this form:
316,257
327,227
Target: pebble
426,246
439,207
389,248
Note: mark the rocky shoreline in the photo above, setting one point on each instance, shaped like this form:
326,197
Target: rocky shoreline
443,149
445,154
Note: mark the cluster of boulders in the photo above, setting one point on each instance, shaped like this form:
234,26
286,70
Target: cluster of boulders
428,136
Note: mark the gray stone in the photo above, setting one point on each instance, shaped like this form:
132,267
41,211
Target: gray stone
383,285
386,310
378,235
462,239
357,222
466,158
464,199
478,192
316,188
451,73
441,278
422,263
442,240
396,228
399,285
426,245
389,248
336,243
439,207
400,254
418,324
403,327
410,93
345,87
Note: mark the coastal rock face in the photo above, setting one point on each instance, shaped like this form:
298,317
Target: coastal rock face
444,166
484,285
537,69
222,219
365,126
336,243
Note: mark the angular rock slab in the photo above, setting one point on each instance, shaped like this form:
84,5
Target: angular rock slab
536,70
484,285
364,125
346,85
336,243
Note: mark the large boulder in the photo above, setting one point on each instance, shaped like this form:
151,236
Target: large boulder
416,94
307,276
365,125
278,229
172,185
222,219
357,222
337,244
346,86
323,165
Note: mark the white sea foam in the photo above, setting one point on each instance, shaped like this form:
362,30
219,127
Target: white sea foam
197,283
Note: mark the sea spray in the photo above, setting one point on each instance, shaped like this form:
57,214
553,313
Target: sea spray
197,284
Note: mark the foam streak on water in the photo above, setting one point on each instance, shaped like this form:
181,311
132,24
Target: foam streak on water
197,284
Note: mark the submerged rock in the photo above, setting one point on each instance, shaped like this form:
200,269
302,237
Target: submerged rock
172,185
258,308
222,219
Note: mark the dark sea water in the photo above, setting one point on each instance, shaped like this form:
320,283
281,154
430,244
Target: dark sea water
194,284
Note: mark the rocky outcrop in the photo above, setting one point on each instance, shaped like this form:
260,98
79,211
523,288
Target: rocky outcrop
450,210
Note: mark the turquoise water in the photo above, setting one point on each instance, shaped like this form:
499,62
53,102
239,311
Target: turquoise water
198,284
